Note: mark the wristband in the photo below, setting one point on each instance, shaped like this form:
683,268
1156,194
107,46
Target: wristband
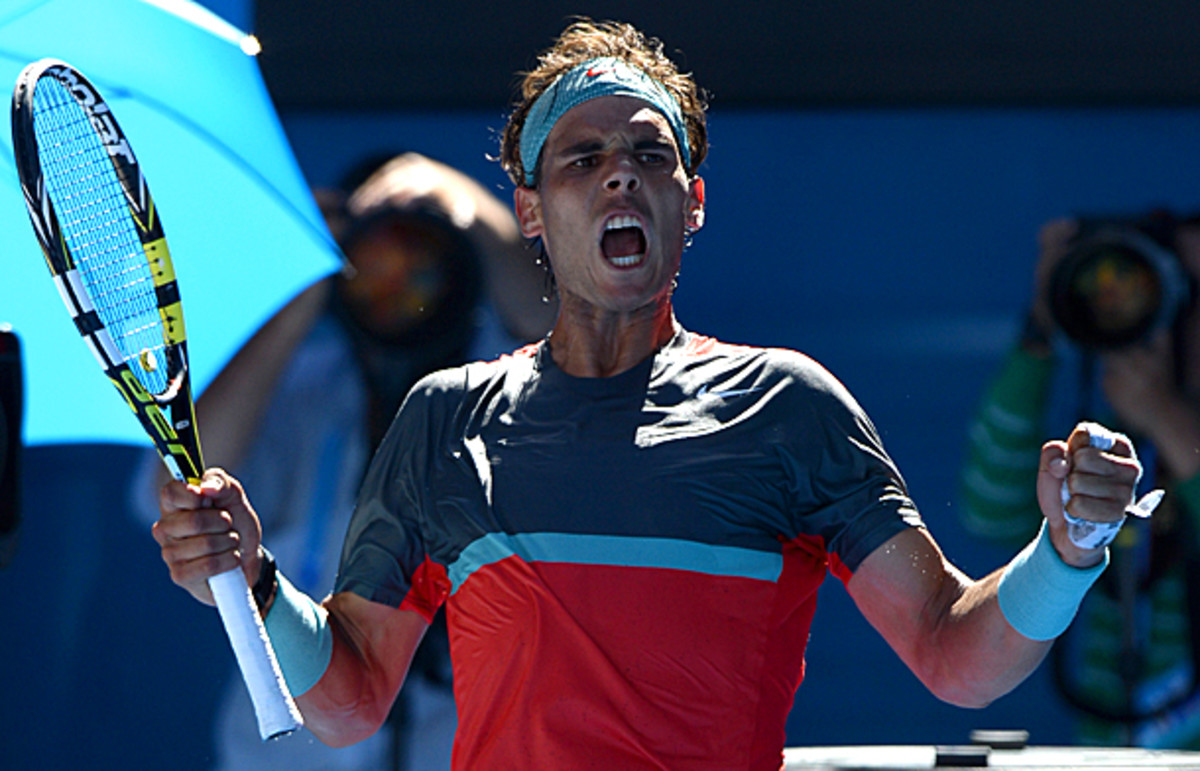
299,630
1039,593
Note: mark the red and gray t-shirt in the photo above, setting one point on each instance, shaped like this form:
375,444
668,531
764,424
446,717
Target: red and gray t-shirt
629,564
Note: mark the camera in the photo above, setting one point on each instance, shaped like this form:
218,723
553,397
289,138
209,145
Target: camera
1120,282
11,418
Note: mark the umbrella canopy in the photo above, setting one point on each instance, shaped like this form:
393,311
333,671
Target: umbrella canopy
241,222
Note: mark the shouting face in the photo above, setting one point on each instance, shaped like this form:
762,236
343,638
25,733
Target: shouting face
612,204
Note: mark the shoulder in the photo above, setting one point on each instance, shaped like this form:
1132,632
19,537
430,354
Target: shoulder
793,373
452,385
439,405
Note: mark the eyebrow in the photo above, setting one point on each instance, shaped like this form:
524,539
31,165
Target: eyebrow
583,147
587,146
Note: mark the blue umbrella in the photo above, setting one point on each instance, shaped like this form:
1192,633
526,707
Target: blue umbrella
241,222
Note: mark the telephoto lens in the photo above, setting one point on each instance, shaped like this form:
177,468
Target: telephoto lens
1117,286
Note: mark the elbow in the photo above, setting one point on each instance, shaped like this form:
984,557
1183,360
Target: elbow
343,739
340,717
962,689
961,685
338,732
965,697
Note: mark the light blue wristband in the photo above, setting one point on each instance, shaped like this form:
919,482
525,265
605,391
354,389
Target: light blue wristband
1039,593
301,636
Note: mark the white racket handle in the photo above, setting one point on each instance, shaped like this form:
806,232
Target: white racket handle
273,705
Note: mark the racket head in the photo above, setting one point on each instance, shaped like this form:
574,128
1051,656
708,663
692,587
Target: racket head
99,231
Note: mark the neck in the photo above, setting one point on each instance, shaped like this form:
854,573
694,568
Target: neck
587,342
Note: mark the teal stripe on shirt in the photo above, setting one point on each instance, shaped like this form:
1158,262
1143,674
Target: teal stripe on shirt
617,551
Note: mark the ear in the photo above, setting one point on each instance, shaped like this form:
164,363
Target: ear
527,203
695,205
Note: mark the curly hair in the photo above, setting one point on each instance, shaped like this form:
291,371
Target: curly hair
585,39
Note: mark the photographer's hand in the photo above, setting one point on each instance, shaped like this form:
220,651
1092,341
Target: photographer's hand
1140,385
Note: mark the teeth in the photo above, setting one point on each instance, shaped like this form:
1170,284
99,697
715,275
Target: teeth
618,222
622,221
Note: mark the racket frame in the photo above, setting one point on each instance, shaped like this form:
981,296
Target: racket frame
175,438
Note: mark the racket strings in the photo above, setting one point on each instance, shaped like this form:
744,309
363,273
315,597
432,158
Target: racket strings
93,214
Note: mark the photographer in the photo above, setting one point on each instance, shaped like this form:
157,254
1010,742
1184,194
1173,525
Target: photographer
1112,328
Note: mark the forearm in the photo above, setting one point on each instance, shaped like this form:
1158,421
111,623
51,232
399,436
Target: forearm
517,283
956,634
343,708
1002,626
345,697
974,655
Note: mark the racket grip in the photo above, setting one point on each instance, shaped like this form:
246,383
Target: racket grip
273,705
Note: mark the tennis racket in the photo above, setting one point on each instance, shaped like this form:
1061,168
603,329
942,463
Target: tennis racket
103,241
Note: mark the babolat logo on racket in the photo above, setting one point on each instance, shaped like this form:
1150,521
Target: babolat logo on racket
137,193
101,118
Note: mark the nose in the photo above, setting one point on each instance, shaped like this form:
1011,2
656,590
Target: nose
623,176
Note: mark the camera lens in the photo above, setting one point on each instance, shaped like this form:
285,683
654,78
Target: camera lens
1115,287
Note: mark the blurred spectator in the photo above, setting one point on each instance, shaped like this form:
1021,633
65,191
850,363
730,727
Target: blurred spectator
1112,328
437,274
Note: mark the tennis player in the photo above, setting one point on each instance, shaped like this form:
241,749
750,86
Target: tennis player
628,522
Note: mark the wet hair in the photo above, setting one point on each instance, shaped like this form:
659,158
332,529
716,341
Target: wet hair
584,40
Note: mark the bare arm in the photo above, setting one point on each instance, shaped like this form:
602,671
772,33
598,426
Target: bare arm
948,628
373,646
945,627
517,284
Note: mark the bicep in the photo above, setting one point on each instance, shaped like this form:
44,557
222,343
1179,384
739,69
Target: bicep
906,589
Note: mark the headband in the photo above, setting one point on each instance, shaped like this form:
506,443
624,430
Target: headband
606,76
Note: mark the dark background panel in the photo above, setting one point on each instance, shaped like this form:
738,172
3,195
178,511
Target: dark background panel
377,54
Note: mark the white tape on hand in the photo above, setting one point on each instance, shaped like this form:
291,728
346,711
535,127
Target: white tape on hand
1087,534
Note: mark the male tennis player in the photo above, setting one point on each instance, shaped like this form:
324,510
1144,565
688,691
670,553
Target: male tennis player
628,522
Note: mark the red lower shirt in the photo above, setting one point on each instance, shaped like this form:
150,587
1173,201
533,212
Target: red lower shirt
629,565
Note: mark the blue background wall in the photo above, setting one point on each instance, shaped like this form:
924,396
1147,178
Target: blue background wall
893,246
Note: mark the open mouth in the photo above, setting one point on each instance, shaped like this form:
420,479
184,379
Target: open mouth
624,241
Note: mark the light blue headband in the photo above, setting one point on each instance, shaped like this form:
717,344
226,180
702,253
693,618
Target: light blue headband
606,76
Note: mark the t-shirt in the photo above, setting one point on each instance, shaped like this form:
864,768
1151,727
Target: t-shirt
629,564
